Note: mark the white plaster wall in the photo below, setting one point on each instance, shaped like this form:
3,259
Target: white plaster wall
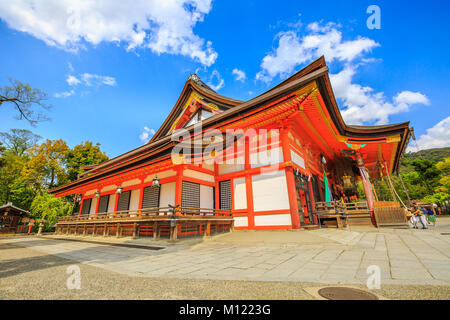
241,221
111,202
265,158
131,183
161,175
270,191
109,188
240,194
88,193
232,165
208,166
167,194
198,175
93,205
206,197
273,220
134,199
297,159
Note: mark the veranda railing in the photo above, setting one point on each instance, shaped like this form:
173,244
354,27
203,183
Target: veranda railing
149,212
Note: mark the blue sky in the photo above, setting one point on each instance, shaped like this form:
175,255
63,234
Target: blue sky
114,72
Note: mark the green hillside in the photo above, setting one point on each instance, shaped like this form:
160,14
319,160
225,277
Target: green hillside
435,155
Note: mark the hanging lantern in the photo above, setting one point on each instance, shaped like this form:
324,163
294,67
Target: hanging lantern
156,181
347,182
119,190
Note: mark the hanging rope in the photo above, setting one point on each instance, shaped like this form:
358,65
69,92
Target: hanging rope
417,146
391,185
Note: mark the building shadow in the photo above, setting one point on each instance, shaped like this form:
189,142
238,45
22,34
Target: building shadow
93,254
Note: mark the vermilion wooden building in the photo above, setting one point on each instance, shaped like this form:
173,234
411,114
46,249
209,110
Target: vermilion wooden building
298,122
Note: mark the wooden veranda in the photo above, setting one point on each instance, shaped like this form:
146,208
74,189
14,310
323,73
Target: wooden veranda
338,214
170,222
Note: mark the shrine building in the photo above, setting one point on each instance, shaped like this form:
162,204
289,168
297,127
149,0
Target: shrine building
218,163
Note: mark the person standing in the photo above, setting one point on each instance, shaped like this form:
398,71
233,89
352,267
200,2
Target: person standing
431,217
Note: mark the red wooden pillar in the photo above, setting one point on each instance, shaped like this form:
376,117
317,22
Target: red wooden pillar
313,200
367,187
216,189
179,186
97,203
81,206
178,195
307,149
116,202
290,180
141,195
249,187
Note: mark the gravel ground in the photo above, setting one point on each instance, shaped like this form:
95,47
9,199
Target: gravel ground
29,274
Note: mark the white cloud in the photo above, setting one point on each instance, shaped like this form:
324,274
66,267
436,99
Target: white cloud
90,80
409,97
435,137
215,76
364,105
64,94
294,49
72,80
360,104
163,26
240,75
146,134
70,67
85,79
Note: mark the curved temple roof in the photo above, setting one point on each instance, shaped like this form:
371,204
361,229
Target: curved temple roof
319,112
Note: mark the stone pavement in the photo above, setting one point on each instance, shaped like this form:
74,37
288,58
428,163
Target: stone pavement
412,257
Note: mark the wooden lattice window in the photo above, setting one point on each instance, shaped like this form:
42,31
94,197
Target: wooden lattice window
124,201
150,197
103,204
225,194
86,206
190,195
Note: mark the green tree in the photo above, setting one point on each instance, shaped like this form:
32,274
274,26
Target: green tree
82,155
2,149
10,171
24,98
19,140
13,187
46,167
48,208
444,167
428,173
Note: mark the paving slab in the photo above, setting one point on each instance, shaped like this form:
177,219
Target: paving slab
324,255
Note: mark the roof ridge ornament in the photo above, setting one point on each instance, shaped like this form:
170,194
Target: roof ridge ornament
194,77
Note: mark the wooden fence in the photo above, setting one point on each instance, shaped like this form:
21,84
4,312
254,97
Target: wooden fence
339,214
391,217
159,222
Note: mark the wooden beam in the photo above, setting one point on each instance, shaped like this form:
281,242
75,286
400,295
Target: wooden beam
207,230
135,230
156,230
118,230
173,233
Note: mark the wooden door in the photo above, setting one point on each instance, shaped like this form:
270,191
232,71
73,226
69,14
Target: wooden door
303,199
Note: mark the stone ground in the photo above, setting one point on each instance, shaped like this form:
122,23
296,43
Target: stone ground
414,264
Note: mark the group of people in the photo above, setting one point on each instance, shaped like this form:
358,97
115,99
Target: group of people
422,215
